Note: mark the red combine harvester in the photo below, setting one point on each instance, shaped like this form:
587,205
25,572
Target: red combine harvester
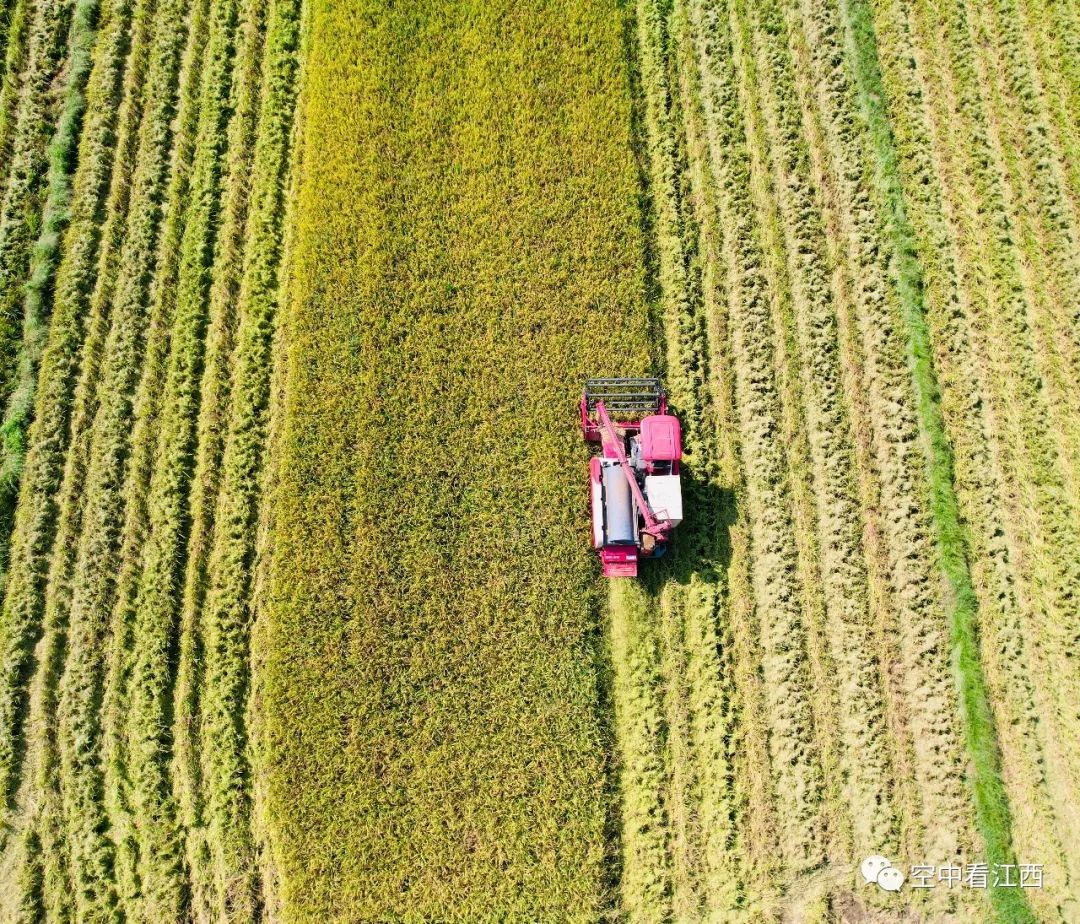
635,491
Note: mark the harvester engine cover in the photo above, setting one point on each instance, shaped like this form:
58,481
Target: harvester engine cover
635,492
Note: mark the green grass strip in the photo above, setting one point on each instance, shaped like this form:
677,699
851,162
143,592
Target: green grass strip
992,814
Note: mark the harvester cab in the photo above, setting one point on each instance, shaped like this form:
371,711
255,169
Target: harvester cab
635,495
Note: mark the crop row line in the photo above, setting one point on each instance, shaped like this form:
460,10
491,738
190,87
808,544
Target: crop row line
991,809
695,677
210,435
952,242
228,609
129,354
861,814
776,587
1007,508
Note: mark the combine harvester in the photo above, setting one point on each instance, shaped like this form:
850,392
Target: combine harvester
635,491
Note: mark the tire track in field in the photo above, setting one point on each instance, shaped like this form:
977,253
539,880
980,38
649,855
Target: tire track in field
287,47
651,866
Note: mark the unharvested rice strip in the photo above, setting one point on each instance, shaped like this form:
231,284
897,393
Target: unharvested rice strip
93,583
717,738
212,424
777,595
933,813
945,204
159,836
851,661
756,836
542,820
990,807
1046,229
1050,516
1028,456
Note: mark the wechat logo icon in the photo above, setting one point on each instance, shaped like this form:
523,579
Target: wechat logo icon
880,870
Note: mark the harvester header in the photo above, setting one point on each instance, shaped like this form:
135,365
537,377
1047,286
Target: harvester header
635,492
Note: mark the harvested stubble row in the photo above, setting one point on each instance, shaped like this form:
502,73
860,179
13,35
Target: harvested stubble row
778,186
157,258
977,153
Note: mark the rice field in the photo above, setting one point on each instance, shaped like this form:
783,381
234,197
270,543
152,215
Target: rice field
300,621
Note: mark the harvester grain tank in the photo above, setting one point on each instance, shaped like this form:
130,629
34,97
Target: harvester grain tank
635,492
